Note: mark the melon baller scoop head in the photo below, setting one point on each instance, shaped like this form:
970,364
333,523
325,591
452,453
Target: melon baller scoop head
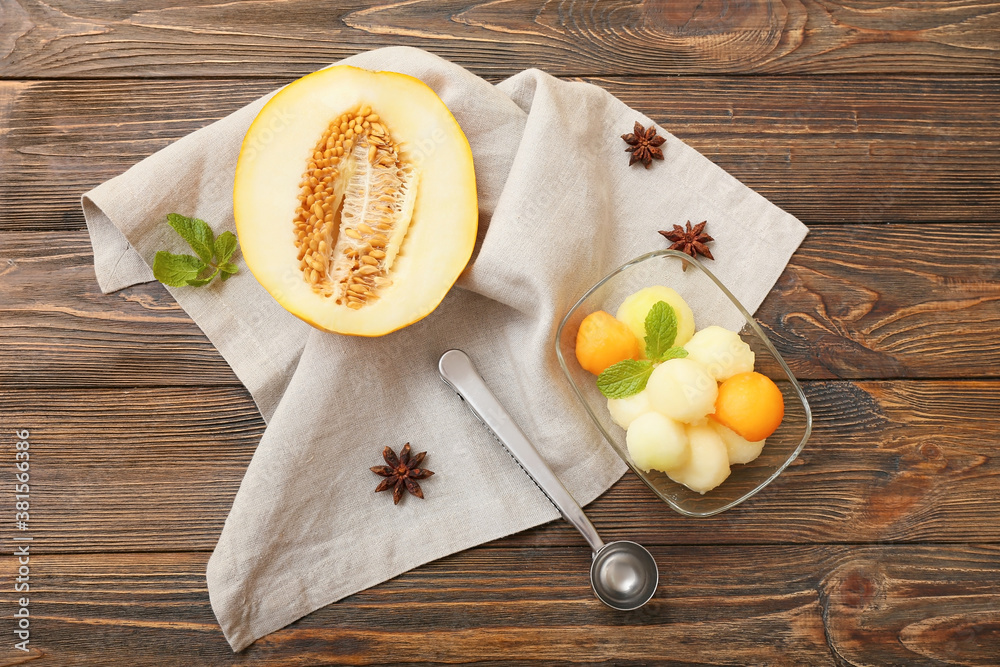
623,574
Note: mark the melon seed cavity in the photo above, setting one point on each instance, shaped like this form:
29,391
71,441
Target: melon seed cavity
355,205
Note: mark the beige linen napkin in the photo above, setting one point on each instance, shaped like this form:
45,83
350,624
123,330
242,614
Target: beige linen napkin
559,208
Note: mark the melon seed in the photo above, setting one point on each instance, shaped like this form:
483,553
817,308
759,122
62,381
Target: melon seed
356,263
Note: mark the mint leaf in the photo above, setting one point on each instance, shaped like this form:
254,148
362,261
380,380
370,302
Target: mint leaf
625,378
196,232
228,269
176,270
674,353
661,330
198,282
225,246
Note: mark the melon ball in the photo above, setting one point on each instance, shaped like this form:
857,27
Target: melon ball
634,309
722,352
657,443
708,462
682,389
603,341
740,449
625,410
751,404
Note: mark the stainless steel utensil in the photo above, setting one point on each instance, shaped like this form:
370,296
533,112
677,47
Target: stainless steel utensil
623,574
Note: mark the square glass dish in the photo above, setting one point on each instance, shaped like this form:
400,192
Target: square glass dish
712,304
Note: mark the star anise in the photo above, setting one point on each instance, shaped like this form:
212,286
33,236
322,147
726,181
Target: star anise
691,240
401,473
643,145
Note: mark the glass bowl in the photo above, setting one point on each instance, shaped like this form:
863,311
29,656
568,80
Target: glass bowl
712,304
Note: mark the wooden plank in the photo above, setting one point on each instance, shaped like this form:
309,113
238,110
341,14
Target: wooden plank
782,605
889,301
67,333
842,150
157,469
829,150
53,153
196,38
164,465
856,302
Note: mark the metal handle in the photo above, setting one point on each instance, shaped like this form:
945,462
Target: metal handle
459,372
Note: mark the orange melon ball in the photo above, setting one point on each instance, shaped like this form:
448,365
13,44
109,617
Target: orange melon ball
603,341
750,404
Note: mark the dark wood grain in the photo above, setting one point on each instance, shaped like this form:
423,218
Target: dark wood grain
818,605
138,336
157,469
889,301
829,150
69,38
855,302
878,546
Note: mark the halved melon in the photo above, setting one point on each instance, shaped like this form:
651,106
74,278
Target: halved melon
355,200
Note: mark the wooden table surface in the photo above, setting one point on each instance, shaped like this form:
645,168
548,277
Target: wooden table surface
876,123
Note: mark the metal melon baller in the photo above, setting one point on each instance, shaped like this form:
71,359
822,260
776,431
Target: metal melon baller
623,574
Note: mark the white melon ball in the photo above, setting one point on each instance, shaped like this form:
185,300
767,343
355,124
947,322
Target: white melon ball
708,464
625,410
682,389
656,442
636,306
740,449
721,351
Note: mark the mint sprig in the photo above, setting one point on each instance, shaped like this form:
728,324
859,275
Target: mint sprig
626,378
213,255
629,377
